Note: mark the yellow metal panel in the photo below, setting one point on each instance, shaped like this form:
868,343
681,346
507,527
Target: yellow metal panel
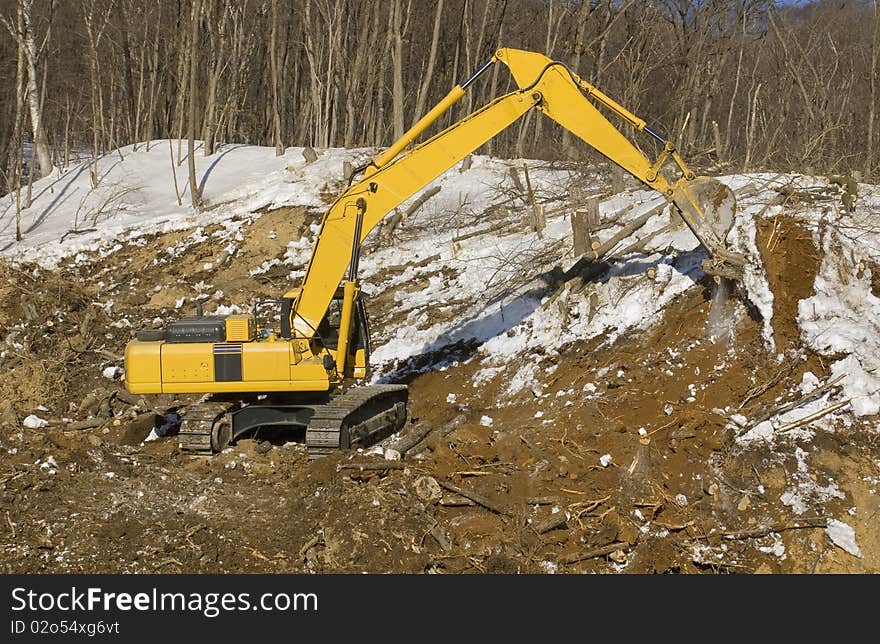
308,375
257,387
266,361
240,328
360,364
187,362
143,372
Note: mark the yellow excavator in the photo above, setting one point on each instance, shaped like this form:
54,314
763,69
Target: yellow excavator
301,376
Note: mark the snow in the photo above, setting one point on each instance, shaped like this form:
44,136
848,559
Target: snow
742,239
35,422
843,317
135,196
844,536
112,373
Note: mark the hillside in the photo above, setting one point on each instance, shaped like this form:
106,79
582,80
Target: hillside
628,417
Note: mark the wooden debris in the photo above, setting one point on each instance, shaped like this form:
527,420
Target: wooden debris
482,231
554,521
777,376
602,551
539,221
794,404
754,533
441,431
607,246
427,489
371,465
455,501
440,538
89,423
479,499
317,540
809,419
410,437
420,201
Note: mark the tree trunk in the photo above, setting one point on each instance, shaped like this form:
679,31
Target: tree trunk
425,88
41,149
273,66
14,179
397,70
193,97
875,98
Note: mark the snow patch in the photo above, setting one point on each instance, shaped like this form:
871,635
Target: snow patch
844,536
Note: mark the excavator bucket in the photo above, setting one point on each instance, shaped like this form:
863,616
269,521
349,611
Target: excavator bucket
717,203
708,207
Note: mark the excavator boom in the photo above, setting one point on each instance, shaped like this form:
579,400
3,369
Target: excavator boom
548,86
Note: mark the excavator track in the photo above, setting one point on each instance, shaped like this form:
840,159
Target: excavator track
203,428
356,418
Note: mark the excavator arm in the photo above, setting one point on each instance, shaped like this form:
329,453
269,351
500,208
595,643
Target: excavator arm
401,171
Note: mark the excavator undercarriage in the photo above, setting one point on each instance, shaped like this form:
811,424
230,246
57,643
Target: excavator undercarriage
358,417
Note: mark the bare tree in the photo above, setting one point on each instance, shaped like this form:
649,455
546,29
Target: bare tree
273,65
875,96
195,193
24,34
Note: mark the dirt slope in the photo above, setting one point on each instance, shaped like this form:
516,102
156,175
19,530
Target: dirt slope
624,459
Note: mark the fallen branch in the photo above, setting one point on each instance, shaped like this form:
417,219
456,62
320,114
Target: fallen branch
754,533
597,552
479,499
483,231
640,244
129,399
420,201
110,355
624,232
442,431
89,423
809,419
426,261
371,465
558,520
77,232
318,539
794,404
455,501
759,390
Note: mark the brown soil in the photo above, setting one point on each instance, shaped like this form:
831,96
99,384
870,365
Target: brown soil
792,261
100,500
